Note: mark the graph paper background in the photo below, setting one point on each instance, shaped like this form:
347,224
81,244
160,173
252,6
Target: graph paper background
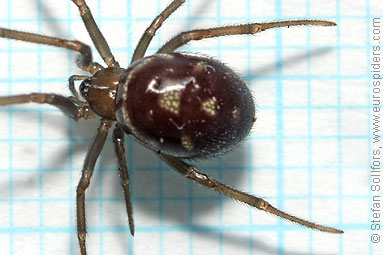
308,153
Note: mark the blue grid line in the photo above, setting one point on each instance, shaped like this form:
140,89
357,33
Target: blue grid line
279,228
153,169
219,165
309,129
128,142
190,189
180,228
226,18
101,158
249,147
318,107
207,48
286,77
279,123
369,115
160,176
71,151
180,198
339,121
175,198
266,137
40,156
11,239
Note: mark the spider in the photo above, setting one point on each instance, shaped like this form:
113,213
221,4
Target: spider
179,105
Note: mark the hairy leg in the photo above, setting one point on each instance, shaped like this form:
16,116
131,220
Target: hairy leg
66,105
95,34
84,62
118,139
143,44
192,173
253,28
86,173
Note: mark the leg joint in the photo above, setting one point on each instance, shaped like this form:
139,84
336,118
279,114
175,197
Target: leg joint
200,178
81,235
41,98
125,183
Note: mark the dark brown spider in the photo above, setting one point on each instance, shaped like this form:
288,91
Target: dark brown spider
180,105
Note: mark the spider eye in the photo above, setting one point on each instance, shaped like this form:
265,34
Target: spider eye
84,88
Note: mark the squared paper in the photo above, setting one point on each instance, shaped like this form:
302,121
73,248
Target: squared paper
307,154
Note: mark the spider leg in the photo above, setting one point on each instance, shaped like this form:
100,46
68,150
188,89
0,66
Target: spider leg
252,28
63,103
85,60
118,139
95,34
154,26
192,173
86,173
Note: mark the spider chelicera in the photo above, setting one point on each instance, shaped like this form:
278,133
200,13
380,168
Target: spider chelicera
179,105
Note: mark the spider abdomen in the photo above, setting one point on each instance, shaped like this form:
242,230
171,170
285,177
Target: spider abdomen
184,105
